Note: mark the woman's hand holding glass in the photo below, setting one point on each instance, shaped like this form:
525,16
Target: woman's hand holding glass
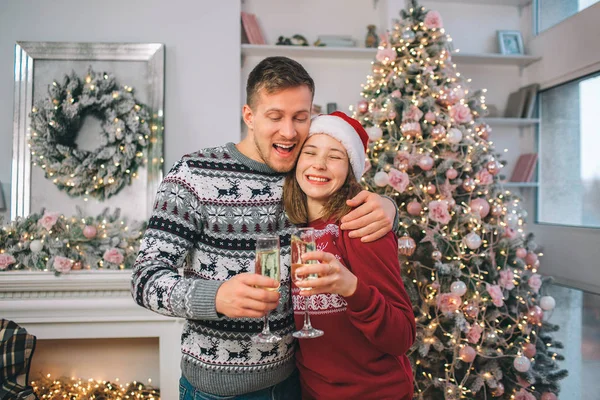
334,277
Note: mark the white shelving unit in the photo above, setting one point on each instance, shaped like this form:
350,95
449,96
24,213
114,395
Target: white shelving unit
515,3
369,54
512,122
519,185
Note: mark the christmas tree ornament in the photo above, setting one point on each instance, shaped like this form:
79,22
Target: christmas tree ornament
454,136
408,35
425,163
471,310
522,364
472,241
496,209
451,173
36,246
535,315
467,354
381,179
77,266
414,208
548,396
438,132
483,130
362,106
521,252
493,167
480,207
430,117
431,189
436,255
401,162
375,133
410,129
392,115
529,350
469,184
90,231
531,258
406,246
512,220
458,287
498,390
547,303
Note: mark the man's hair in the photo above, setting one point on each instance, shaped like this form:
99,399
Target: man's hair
294,199
274,74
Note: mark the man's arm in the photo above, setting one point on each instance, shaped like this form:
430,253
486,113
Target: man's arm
373,217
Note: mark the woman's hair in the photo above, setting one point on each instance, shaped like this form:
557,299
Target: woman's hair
294,199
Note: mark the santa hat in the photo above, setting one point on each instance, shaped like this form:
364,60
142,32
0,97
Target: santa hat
349,132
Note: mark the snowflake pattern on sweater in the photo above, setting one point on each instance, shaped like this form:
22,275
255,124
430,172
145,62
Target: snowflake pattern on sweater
209,210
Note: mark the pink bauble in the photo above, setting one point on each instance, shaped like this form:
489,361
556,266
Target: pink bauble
406,246
493,167
429,116
469,184
414,208
425,163
548,396
362,106
480,206
392,115
467,354
90,231
471,310
496,210
381,179
529,350
451,173
535,315
498,390
531,258
438,132
522,364
521,252
451,202
431,188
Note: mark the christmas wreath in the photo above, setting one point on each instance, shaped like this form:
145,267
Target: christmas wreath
56,120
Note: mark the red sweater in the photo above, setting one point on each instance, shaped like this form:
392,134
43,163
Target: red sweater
362,353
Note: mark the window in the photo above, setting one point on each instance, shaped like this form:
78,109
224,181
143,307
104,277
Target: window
551,12
569,175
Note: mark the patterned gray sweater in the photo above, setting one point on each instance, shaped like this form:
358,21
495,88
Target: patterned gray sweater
209,211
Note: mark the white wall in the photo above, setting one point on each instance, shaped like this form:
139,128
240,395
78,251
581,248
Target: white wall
202,60
570,49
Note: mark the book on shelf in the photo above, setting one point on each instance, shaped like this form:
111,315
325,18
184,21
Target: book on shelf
524,168
251,33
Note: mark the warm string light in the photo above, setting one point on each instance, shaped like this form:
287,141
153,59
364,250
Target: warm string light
50,388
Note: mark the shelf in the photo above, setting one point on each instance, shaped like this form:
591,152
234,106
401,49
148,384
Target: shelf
519,184
515,3
513,122
259,50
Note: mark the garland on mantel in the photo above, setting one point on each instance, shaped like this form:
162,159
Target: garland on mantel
50,241
49,388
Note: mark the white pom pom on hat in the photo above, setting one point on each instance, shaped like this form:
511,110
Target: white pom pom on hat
350,134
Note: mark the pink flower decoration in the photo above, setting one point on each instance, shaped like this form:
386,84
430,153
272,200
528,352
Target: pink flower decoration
506,279
413,114
396,94
48,220
438,211
113,256
461,114
62,264
474,333
484,177
6,260
448,302
433,20
496,294
430,116
386,55
398,180
535,282
524,395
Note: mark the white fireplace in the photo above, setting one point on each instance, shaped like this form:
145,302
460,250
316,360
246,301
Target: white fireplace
83,316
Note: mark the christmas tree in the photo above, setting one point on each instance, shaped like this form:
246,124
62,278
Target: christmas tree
468,263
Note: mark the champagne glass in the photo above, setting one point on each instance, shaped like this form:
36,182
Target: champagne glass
303,241
267,264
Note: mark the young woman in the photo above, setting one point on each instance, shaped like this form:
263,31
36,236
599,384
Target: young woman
358,300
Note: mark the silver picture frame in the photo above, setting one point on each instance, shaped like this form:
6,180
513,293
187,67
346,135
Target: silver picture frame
29,54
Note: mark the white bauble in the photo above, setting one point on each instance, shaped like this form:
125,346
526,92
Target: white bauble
522,364
454,136
512,220
472,241
547,303
375,133
36,246
381,179
458,288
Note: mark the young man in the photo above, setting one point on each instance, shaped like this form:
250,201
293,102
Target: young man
209,211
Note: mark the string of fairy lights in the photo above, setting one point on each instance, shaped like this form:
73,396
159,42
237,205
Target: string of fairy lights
485,231
49,388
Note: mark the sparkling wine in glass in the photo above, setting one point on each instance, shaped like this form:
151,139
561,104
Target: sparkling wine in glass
267,264
303,241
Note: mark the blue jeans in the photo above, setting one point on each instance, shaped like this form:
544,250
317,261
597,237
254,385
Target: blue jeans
289,389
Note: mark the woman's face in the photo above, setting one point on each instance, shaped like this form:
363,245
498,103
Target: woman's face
322,167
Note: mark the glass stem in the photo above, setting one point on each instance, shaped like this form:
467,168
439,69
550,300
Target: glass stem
266,330
307,325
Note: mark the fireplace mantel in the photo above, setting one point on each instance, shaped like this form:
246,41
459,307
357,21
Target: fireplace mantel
89,305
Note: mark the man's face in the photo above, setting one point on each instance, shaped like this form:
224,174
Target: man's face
277,127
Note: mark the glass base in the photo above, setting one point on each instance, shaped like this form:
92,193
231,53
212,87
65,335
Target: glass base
307,333
265,338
